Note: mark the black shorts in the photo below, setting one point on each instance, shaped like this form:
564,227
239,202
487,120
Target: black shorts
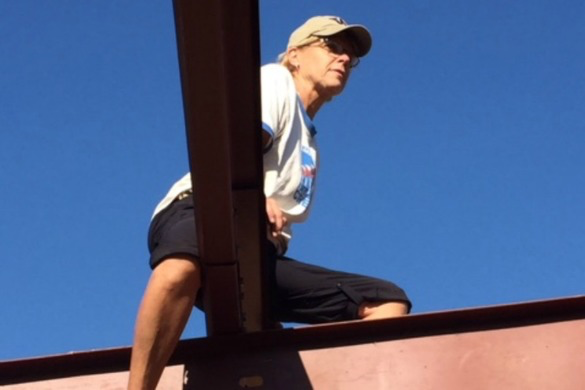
302,293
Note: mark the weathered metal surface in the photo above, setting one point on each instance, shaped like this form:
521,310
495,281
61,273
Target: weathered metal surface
255,298
554,329
171,379
407,327
535,357
219,57
219,279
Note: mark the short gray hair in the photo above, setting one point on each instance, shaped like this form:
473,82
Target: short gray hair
283,59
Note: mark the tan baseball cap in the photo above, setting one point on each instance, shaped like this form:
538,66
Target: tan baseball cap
326,26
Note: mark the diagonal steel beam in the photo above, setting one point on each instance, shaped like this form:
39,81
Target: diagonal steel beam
219,58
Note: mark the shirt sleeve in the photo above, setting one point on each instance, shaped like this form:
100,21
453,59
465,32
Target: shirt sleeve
274,91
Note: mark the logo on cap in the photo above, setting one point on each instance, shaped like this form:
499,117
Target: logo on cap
338,20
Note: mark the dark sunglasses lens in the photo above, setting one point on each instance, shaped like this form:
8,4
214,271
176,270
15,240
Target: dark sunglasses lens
338,49
335,47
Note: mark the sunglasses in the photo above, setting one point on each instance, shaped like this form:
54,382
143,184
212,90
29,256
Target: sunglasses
338,49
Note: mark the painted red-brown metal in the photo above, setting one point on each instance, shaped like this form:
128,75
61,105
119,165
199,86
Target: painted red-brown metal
219,57
262,345
171,379
207,122
535,357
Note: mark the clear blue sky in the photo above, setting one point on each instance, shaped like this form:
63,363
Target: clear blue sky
453,164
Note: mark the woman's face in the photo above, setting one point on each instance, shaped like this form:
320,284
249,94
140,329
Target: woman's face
326,64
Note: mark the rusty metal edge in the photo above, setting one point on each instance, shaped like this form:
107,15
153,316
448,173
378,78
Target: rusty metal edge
221,99
407,327
306,338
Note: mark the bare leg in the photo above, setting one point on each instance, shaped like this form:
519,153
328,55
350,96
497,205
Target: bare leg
162,316
378,310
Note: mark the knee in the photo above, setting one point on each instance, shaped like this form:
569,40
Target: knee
178,275
378,310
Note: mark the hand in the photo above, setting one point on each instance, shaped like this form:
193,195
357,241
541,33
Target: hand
276,217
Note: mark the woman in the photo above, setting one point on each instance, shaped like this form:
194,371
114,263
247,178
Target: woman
315,67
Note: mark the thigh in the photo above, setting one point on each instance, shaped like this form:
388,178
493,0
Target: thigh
173,232
310,294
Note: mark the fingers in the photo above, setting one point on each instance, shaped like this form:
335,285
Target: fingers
276,218
279,222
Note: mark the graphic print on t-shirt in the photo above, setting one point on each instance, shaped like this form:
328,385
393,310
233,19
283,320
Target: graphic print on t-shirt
309,169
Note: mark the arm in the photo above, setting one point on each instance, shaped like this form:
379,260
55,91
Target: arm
274,117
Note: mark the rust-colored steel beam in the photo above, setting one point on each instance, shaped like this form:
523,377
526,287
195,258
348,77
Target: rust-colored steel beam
265,344
537,357
219,57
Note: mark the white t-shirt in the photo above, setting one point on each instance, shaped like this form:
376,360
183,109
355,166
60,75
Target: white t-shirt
290,163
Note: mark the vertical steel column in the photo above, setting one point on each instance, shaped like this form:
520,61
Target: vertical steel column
219,56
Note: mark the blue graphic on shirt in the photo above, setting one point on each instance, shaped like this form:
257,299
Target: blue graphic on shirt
309,170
